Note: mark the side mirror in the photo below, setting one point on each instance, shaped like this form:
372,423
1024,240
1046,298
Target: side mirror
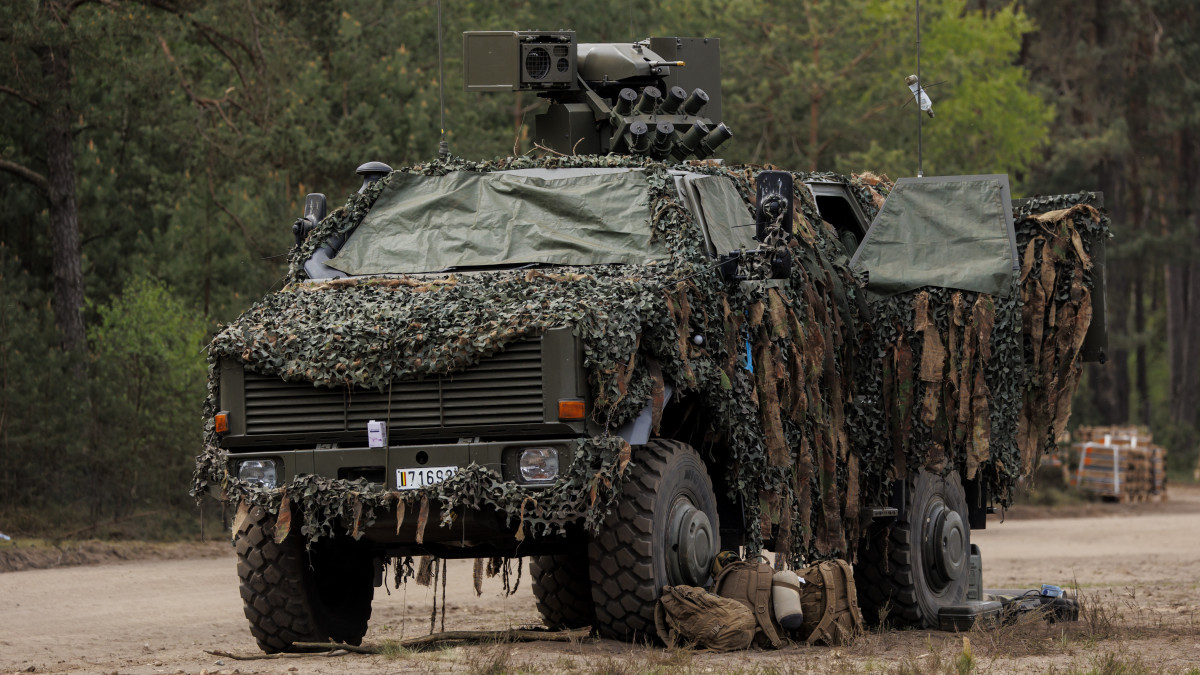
314,212
775,192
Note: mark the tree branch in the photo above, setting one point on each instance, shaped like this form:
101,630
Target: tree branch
854,62
13,92
37,179
200,101
254,25
212,193
203,27
74,5
228,57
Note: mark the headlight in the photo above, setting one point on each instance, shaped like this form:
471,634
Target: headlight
258,472
539,465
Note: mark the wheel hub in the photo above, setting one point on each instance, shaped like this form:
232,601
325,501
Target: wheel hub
944,545
689,544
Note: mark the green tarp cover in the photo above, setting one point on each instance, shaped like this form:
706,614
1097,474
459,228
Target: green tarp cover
953,232
724,212
468,219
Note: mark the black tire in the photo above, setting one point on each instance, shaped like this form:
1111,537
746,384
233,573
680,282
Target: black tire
563,590
908,570
668,489
292,595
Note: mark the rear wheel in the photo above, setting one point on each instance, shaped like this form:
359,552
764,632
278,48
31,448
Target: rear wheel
909,570
563,590
664,532
292,595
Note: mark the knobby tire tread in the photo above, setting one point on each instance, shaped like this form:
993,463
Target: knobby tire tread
272,585
562,590
885,580
279,593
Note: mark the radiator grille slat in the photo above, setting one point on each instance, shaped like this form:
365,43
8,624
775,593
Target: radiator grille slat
505,388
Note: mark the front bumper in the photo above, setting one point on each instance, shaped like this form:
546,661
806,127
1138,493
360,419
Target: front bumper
472,533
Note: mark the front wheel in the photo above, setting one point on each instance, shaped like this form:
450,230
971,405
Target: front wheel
291,594
664,532
909,570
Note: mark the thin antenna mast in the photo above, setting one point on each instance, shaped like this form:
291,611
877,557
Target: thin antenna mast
920,173
443,146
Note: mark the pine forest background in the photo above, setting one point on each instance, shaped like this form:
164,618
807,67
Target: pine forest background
154,154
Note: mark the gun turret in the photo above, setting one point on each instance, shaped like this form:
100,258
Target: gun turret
608,97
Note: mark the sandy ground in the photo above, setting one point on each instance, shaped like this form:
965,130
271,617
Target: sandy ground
1139,563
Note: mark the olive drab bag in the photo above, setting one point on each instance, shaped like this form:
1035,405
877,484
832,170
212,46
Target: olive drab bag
830,604
750,584
693,615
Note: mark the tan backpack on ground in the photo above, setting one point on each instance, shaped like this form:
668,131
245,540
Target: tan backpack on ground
750,584
693,615
830,603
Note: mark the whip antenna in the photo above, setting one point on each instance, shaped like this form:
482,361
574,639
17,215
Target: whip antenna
920,173
924,105
443,146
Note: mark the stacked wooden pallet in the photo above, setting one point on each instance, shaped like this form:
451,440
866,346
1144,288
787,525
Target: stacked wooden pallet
1120,463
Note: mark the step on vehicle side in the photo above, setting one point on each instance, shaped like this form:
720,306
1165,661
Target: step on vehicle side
624,358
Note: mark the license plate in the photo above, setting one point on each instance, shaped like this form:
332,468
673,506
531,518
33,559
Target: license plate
411,479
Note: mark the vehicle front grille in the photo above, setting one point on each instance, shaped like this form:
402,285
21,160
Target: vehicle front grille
503,389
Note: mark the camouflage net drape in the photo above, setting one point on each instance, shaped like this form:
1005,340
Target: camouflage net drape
845,394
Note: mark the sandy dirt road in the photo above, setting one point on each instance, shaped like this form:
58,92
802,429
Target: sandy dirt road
1141,562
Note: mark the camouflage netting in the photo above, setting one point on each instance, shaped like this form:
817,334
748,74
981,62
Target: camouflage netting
1055,236
798,378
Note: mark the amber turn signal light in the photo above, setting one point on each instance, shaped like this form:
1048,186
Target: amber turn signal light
570,409
221,422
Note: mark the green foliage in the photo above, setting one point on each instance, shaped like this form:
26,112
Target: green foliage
146,370
101,441
37,442
817,84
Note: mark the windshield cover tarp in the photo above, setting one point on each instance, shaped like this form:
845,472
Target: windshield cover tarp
954,232
467,219
730,223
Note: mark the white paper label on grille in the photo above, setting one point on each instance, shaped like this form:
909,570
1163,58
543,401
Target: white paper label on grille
376,434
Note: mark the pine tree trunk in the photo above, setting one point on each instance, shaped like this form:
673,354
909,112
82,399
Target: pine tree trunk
1110,382
66,250
1183,294
1139,329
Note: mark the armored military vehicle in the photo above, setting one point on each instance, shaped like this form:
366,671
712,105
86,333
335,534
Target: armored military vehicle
623,357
